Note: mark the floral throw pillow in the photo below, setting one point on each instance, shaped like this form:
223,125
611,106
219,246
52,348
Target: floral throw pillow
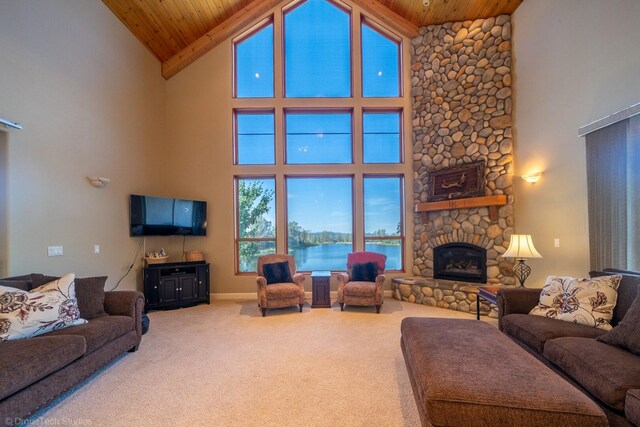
587,302
46,308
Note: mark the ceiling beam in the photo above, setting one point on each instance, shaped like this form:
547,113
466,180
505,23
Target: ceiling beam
389,18
217,35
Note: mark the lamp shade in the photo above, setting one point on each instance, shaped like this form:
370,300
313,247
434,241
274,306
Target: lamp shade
520,247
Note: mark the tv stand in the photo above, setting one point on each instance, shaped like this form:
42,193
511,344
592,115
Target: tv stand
176,284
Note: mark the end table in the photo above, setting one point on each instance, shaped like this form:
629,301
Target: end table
487,293
320,289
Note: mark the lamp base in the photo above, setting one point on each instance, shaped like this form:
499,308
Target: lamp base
522,271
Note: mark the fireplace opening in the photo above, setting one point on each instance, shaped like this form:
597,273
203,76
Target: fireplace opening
460,261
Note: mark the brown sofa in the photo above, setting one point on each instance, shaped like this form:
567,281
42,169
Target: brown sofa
35,371
609,375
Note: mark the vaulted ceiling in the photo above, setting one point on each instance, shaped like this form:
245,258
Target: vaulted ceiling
178,32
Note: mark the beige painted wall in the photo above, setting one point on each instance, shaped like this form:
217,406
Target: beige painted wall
575,61
92,102
4,238
199,109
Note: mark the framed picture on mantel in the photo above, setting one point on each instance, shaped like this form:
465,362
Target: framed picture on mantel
456,182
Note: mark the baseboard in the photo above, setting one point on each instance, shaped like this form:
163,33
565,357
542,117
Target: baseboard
253,296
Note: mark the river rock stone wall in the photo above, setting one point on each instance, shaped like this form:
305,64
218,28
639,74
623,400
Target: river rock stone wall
461,90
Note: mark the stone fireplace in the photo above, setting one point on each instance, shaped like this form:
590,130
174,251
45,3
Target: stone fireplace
461,92
460,261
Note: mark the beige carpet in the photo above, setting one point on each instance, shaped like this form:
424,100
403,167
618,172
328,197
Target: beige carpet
225,365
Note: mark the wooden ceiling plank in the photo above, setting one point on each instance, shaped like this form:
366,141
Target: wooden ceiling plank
135,19
180,21
388,17
211,39
159,25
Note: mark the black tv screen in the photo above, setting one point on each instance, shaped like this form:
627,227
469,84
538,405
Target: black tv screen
161,216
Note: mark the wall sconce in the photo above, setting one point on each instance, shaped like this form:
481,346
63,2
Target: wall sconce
532,177
7,125
98,181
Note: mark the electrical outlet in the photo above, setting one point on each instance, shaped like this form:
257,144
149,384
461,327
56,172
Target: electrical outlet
96,249
556,243
55,251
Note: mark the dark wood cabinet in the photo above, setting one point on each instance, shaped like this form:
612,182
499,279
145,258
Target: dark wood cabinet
320,289
176,284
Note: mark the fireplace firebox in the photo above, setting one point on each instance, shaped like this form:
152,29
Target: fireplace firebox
460,261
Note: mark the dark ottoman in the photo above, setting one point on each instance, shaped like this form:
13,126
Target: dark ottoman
467,373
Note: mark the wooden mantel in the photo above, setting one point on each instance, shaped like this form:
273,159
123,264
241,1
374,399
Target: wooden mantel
472,202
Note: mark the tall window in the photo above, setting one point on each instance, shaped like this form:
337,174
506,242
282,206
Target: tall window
320,237
254,135
256,220
254,64
318,161
323,137
383,214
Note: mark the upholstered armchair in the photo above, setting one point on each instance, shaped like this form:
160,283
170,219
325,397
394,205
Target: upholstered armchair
272,291
362,283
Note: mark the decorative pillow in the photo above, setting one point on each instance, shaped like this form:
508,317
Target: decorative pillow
46,308
626,334
584,301
364,272
90,296
277,272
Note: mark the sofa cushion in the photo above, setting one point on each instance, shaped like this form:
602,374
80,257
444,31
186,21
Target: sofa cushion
627,333
534,331
628,289
46,308
606,371
97,332
585,301
90,295
360,289
23,362
632,406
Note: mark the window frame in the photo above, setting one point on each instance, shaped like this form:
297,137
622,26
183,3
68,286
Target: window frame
251,31
356,104
402,236
319,176
401,147
237,239
328,110
365,20
290,8
236,147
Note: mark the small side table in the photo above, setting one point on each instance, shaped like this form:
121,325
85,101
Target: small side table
320,289
487,293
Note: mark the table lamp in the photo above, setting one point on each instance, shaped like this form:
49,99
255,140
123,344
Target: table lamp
521,247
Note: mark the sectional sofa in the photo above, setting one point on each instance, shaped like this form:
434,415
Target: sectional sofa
35,371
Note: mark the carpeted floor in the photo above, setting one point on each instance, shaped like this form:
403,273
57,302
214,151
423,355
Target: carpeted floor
225,365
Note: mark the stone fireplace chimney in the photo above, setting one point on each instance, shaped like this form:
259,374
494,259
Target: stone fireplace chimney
461,87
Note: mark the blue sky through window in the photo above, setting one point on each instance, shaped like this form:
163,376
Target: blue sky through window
380,64
317,37
255,138
381,137
382,208
321,204
254,65
318,138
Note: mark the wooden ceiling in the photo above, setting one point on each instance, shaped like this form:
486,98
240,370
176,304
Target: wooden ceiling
178,32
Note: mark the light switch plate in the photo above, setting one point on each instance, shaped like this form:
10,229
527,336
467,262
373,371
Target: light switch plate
55,251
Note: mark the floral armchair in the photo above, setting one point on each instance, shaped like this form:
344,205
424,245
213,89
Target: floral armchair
271,292
355,291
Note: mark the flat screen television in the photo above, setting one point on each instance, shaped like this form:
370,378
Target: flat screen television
161,216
